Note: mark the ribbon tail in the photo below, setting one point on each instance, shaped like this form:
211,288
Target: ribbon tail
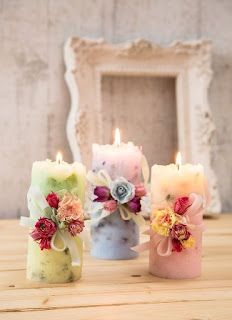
145,170
164,247
142,247
63,240
27,222
147,232
138,219
73,249
85,235
125,214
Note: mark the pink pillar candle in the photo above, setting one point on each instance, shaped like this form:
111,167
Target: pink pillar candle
178,202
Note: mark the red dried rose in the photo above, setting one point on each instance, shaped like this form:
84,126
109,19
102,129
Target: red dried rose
53,200
43,232
176,245
180,232
181,205
75,227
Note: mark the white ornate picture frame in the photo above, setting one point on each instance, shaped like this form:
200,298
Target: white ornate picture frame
87,61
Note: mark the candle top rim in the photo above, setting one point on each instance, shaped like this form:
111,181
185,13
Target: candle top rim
172,167
108,146
53,163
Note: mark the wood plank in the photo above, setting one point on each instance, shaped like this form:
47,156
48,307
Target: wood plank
195,310
118,289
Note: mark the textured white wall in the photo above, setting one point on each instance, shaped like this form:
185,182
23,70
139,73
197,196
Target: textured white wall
34,99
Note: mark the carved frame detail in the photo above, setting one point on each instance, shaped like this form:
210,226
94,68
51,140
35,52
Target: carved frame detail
87,61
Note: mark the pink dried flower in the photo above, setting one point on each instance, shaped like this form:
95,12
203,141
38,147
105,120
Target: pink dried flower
140,190
75,227
70,208
110,205
181,205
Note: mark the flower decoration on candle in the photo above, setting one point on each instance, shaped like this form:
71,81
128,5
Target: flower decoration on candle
59,216
172,225
64,213
122,190
43,232
120,194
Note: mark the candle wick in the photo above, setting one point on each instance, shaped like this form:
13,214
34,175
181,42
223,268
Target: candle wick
178,166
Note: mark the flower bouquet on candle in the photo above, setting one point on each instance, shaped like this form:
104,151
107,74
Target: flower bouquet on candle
116,213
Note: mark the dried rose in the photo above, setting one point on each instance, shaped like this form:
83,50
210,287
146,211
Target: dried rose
181,205
122,190
140,190
53,200
70,208
134,205
176,245
43,232
75,227
102,193
180,232
110,205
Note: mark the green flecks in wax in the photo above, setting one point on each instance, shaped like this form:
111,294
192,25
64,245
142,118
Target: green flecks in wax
71,277
66,251
169,197
68,184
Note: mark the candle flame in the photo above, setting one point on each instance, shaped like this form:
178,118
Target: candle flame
178,159
59,157
117,139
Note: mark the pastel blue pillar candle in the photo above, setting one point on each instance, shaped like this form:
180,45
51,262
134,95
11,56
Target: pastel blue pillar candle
113,237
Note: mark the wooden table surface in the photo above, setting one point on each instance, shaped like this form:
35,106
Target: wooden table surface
118,289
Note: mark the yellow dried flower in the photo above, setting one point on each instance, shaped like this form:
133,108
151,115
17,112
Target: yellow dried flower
163,220
189,243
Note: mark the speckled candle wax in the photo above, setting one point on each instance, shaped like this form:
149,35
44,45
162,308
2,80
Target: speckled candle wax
49,265
173,182
112,237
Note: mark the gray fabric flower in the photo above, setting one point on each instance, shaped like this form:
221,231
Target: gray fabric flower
122,190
